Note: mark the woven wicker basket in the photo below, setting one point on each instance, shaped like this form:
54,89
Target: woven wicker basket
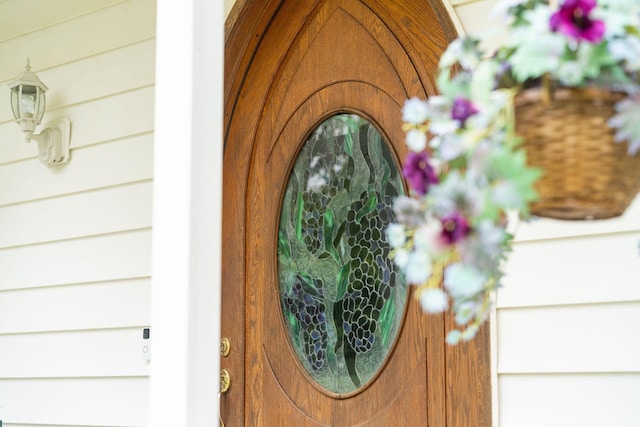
586,174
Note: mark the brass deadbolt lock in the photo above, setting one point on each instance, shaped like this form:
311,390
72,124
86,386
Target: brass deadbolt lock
225,347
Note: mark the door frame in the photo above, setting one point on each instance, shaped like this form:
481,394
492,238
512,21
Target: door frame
246,26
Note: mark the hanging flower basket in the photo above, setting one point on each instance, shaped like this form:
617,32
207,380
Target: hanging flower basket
489,145
586,174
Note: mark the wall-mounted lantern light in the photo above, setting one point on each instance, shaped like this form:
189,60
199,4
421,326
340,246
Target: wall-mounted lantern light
28,103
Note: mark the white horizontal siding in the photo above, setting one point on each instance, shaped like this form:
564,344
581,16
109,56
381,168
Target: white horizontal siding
75,240
111,210
568,351
25,21
114,163
75,401
115,304
563,400
92,259
576,270
545,228
68,40
575,338
101,353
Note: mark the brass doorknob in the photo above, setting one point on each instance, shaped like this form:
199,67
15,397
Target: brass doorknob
225,381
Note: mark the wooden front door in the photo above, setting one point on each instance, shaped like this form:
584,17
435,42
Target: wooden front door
290,66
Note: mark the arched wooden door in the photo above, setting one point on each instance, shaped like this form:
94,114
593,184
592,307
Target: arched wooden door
291,65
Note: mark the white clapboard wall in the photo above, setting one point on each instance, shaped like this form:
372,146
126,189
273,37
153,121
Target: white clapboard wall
75,240
567,350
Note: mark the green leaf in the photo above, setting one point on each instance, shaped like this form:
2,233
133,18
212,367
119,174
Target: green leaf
342,280
306,281
299,215
535,57
284,249
512,166
387,315
350,361
328,233
369,207
483,81
348,144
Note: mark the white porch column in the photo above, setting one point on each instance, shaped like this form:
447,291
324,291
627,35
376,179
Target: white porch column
185,298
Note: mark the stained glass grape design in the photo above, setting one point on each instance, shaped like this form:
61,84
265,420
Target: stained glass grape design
341,295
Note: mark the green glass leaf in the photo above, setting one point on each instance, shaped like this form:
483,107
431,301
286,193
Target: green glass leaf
342,280
328,234
370,206
348,144
299,216
307,283
386,320
284,249
350,361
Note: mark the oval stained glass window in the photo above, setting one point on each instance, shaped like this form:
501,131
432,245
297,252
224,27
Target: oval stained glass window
341,295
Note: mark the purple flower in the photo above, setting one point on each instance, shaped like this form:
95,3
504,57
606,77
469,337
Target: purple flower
462,110
419,172
573,21
455,227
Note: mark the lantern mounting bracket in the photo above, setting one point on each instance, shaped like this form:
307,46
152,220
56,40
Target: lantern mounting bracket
53,142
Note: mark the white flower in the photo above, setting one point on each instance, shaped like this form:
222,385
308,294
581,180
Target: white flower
408,210
463,281
461,51
416,140
626,49
505,194
395,235
415,111
433,300
451,147
453,337
418,268
401,258
444,126
427,237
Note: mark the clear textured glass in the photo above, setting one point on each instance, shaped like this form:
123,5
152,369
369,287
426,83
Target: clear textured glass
342,297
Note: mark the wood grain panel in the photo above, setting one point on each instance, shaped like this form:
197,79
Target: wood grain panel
570,271
103,119
92,259
118,70
104,30
585,400
78,402
103,353
583,338
103,165
290,67
114,304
